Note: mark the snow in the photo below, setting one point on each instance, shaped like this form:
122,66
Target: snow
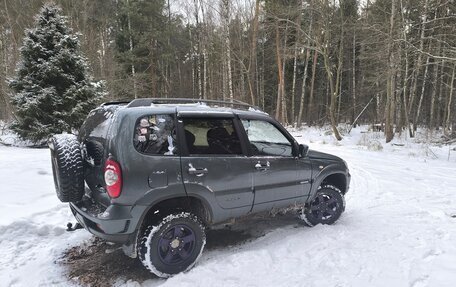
397,229
257,110
32,220
7,137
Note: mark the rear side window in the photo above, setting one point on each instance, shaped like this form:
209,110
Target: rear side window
97,123
211,136
94,133
156,135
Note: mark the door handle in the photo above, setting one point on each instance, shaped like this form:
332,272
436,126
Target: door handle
197,171
262,166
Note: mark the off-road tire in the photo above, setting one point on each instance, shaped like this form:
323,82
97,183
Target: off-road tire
151,247
67,167
327,213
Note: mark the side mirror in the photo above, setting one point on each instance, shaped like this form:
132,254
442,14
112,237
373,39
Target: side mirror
303,150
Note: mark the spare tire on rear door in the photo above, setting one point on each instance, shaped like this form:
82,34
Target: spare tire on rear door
67,167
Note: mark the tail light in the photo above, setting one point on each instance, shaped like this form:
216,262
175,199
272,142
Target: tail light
113,178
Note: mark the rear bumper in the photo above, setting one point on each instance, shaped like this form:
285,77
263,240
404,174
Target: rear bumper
116,223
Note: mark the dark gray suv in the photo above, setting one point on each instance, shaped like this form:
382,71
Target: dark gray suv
153,174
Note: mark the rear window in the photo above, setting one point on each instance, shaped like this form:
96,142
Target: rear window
97,123
156,135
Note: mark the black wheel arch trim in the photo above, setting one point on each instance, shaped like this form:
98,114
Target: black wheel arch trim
150,205
332,169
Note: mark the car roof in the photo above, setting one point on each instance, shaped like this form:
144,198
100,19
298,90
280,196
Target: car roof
189,106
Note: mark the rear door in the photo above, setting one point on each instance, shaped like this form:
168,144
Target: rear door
276,176
214,160
94,133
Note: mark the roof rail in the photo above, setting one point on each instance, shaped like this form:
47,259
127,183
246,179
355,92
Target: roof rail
120,102
150,101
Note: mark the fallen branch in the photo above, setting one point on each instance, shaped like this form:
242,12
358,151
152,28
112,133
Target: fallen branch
354,122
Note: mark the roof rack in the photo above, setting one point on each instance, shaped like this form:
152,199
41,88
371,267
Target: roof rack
120,102
150,101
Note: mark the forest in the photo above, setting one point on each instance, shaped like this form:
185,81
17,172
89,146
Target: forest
388,63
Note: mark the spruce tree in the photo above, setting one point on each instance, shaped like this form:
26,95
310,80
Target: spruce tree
53,91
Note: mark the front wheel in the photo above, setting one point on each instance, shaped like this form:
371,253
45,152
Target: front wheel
173,245
325,208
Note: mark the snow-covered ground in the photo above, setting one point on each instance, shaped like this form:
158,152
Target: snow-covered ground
397,230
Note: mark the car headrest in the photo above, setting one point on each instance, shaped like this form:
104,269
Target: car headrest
189,137
218,133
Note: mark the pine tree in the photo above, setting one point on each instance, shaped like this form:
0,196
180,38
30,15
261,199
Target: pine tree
141,46
52,88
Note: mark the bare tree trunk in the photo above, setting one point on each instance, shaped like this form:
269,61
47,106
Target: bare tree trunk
210,84
422,94
205,74
448,126
280,75
204,40
198,50
226,17
252,76
5,109
340,62
329,73
333,97
199,75
332,113
389,134
354,74
153,76
193,64
397,105
295,64
417,70
303,89
338,90
293,85
378,102
405,83
102,54
440,108
310,109
242,84
262,85
339,99
133,71
224,79
434,95
282,86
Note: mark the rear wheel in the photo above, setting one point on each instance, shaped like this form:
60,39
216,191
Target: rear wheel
325,208
67,167
173,245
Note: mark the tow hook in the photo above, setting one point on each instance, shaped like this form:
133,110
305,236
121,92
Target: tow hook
71,228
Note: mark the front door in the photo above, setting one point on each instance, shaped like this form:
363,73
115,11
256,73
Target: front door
276,178
215,161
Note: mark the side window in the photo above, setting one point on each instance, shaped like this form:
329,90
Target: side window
211,136
155,135
265,139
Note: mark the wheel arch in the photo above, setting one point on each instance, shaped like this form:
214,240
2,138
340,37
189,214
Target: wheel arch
163,207
335,178
338,180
